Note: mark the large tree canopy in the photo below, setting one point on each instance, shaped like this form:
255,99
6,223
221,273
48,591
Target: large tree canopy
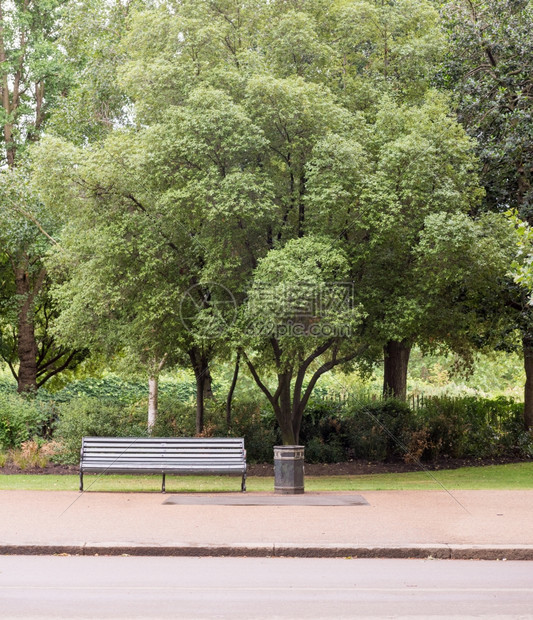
252,142
489,68
33,79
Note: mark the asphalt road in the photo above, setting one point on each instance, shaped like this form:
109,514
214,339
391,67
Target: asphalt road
147,587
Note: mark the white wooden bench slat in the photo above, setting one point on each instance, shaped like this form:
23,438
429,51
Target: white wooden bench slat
200,441
162,455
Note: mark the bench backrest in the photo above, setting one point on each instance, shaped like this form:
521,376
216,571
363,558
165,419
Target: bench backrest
154,450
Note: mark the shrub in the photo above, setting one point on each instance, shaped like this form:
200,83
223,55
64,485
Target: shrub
94,417
117,390
249,420
21,418
174,419
470,427
321,432
3,459
317,451
378,430
334,431
524,444
258,427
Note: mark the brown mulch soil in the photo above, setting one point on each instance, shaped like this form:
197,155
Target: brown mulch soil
349,468
361,467
53,468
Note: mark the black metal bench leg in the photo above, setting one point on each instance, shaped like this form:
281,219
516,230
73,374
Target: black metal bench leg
81,481
243,484
163,487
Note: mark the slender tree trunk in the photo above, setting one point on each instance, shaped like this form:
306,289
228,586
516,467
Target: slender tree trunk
233,385
200,407
153,397
27,353
155,368
208,385
9,103
26,343
528,387
200,363
395,370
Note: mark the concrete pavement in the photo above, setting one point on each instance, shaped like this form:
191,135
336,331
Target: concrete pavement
394,524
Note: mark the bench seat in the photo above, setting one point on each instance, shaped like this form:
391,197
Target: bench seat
163,455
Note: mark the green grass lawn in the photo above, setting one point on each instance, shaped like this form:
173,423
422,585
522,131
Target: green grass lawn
511,476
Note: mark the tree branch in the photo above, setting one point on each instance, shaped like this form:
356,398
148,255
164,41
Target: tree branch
59,369
303,369
325,368
258,381
33,219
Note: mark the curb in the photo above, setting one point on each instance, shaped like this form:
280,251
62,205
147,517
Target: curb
292,550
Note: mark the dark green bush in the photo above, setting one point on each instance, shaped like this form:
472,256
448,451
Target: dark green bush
119,390
317,451
470,427
249,420
21,418
174,418
377,430
320,432
258,427
332,431
87,416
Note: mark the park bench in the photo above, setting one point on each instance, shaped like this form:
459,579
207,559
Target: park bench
163,455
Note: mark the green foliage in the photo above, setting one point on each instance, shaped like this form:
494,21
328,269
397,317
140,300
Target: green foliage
339,431
444,427
274,143
89,39
86,416
21,418
250,419
32,70
118,390
174,419
489,376
256,423
470,427
7,385
489,68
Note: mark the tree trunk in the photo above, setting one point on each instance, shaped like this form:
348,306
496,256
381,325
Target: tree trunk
200,363
288,437
208,385
200,408
528,387
26,343
395,369
285,419
153,395
233,385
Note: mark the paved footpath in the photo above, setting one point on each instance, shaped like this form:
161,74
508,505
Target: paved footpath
471,524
